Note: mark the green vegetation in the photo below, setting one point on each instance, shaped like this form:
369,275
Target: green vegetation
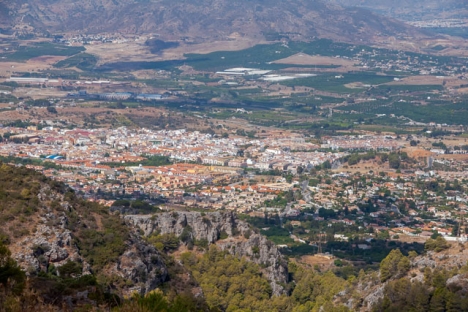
229,283
259,56
50,289
437,244
133,207
11,275
353,159
164,242
319,232
433,294
394,159
232,284
394,265
156,301
156,46
83,61
278,235
26,52
150,161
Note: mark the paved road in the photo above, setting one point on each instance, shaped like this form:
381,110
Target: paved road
306,191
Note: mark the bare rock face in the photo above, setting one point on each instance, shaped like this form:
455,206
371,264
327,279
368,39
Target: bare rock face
458,282
424,262
142,264
213,227
371,299
51,243
203,226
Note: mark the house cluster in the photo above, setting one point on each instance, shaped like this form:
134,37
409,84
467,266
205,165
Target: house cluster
362,143
403,205
111,160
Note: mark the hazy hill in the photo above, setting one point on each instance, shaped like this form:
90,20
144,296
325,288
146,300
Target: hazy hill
412,9
205,20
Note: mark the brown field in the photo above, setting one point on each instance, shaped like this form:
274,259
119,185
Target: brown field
410,239
311,60
427,80
364,167
39,93
13,115
459,157
121,52
138,51
453,141
414,152
455,46
235,44
34,64
324,262
305,59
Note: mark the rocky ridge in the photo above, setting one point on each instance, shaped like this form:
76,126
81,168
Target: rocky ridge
52,241
226,231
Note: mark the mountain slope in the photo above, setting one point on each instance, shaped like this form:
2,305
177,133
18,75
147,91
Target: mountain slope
76,252
46,226
207,19
412,9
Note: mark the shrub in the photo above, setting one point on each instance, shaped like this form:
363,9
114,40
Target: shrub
437,244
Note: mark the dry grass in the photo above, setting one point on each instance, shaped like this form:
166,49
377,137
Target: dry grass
35,64
459,157
410,239
236,44
39,93
414,152
323,262
306,59
418,80
138,51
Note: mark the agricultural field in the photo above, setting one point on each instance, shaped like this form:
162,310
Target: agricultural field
26,52
83,61
332,86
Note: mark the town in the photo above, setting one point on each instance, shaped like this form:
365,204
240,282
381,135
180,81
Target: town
362,186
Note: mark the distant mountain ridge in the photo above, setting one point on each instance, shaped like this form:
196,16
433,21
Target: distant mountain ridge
412,9
205,20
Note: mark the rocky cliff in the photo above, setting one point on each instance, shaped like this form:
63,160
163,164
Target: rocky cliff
207,226
46,226
226,231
